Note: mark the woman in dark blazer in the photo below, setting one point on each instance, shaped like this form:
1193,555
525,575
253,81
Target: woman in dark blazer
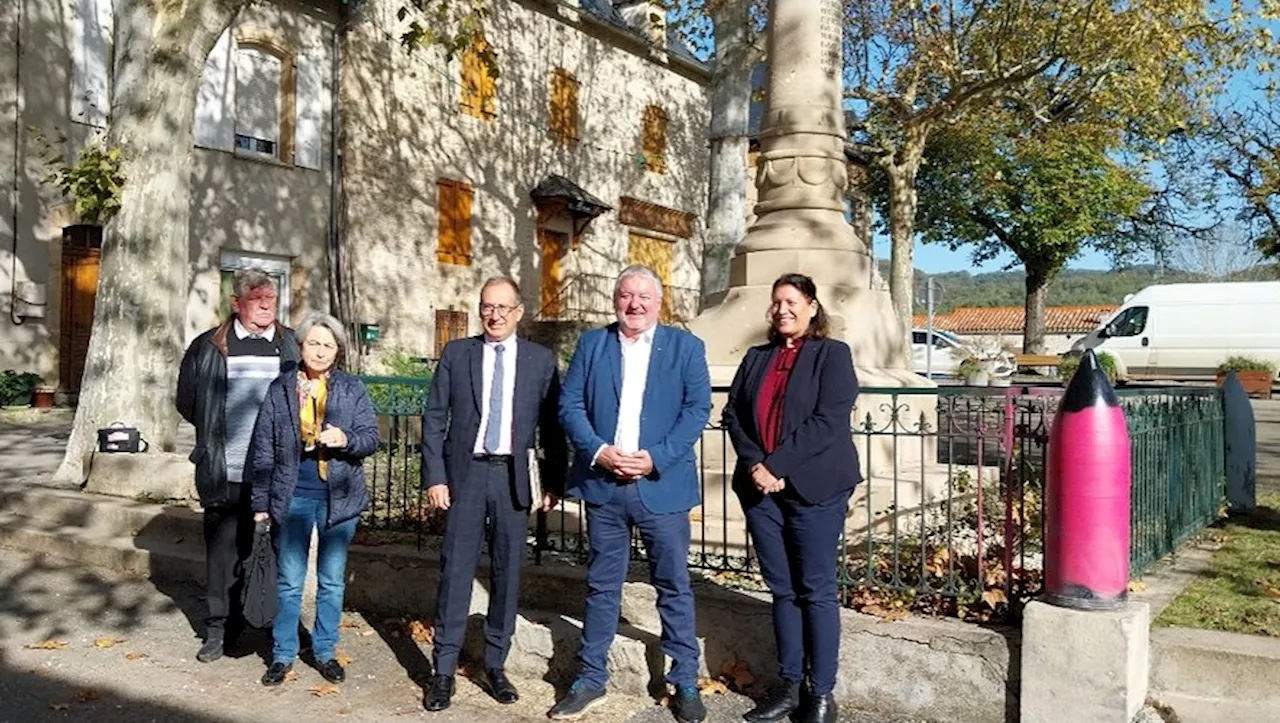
788,415
314,429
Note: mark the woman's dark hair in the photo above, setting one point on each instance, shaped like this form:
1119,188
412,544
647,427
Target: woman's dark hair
819,325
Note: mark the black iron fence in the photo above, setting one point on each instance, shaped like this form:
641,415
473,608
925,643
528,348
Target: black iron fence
949,518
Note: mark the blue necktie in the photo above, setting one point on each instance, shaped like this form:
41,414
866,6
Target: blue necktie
494,430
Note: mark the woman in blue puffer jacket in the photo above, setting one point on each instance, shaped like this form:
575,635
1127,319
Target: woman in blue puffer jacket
313,432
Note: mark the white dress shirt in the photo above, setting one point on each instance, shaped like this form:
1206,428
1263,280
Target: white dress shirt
243,332
635,374
508,392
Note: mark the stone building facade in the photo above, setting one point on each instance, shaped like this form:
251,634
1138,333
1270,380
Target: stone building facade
369,180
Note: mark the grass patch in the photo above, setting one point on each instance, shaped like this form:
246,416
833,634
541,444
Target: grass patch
1241,591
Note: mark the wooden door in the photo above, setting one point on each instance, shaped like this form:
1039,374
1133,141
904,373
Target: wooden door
79,288
554,247
657,255
450,325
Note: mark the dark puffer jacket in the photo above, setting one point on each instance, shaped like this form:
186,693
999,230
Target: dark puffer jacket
202,401
276,450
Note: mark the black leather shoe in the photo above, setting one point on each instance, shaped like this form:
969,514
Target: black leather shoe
502,689
687,705
440,693
781,702
332,671
821,709
576,702
212,648
276,673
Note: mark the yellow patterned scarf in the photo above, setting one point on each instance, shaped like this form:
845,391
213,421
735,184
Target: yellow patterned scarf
312,396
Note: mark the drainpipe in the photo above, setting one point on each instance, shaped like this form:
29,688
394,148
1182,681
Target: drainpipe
15,192
337,302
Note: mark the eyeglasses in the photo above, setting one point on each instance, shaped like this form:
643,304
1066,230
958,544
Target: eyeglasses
313,344
497,309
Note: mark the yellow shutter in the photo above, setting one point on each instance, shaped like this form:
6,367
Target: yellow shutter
564,106
654,140
657,255
479,86
454,243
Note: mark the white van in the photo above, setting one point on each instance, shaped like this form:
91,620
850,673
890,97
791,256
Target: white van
1183,331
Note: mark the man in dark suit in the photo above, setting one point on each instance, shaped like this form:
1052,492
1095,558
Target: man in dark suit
636,399
490,395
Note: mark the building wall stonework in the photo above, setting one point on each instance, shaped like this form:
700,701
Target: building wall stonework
409,133
245,207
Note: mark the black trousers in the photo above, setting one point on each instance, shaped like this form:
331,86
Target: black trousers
487,504
228,541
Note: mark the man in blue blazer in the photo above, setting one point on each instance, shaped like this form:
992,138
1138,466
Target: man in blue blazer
491,397
636,399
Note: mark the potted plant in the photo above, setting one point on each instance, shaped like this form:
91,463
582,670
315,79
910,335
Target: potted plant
972,372
16,389
1069,364
43,397
1255,375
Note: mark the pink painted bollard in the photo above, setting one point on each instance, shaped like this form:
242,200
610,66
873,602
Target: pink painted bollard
1087,496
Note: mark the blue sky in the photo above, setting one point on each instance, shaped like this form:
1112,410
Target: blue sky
937,259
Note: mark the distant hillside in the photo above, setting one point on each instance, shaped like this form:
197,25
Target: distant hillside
1071,288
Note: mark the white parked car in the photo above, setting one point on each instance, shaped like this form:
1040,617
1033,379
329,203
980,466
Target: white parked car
949,351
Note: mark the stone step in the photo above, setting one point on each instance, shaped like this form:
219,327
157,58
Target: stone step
98,513
1191,709
1212,665
149,555
395,579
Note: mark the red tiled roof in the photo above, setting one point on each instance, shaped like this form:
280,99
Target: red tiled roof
1009,319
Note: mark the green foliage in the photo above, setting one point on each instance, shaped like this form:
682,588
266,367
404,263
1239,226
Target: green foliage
409,396
94,180
455,26
968,367
15,388
1069,365
1044,195
403,364
1246,364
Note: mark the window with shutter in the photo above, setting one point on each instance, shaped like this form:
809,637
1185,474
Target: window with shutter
259,74
450,325
90,46
654,140
479,85
564,107
453,245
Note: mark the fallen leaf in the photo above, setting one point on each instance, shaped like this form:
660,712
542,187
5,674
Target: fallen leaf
47,645
366,633
343,659
291,676
349,623
107,642
994,597
323,689
135,656
422,632
1137,586
712,687
61,706
88,695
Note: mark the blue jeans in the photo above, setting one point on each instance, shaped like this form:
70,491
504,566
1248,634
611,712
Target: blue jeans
293,540
666,539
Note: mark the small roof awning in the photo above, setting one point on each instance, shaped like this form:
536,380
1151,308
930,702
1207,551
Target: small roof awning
559,191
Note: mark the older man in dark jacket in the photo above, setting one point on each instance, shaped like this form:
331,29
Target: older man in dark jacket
223,379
